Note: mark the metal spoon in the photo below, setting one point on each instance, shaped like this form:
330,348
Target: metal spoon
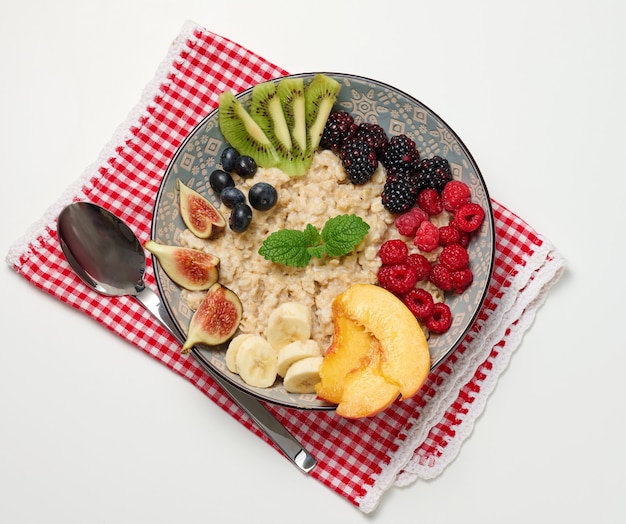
108,257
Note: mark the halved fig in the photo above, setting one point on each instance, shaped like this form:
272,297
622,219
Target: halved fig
192,269
199,215
216,319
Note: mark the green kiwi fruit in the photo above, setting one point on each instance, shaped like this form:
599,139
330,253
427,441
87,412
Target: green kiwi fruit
320,96
243,133
266,109
291,94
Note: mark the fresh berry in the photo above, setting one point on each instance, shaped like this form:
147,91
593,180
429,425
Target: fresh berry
455,194
359,161
245,166
449,235
374,136
398,197
240,217
454,257
262,196
430,201
339,126
440,318
421,264
401,152
469,217
461,279
419,301
427,237
434,173
228,158
219,179
440,276
231,196
398,279
393,251
408,222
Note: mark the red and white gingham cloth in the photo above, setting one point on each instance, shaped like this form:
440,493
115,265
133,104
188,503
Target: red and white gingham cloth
357,459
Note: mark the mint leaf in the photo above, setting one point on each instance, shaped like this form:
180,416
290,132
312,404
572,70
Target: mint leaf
343,233
339,236
312,235
287,246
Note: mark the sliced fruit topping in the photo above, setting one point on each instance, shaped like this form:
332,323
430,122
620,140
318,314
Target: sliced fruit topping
198,214
243,133
216,319
190,268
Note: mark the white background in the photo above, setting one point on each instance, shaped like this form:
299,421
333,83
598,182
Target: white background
92,430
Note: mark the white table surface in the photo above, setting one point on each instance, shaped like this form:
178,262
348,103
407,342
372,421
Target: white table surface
536,91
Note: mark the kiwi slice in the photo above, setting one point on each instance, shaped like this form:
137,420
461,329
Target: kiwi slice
320,96
266,109
291,94
243,133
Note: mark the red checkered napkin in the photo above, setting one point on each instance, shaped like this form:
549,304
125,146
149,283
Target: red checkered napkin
357,459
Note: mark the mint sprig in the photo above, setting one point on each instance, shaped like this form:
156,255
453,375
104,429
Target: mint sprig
291,247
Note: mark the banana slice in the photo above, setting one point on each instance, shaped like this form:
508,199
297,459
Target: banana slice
233,348
295,351
288,322
256,362
302,375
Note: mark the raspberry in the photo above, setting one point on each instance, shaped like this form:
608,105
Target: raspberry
427,236
440,276
419,301
421,264
454,257
393,251
469,217
408,222
399,278
430,201
455,194
449,235
461,279
440,318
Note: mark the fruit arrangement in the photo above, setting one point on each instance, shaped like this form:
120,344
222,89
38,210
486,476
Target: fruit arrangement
370,361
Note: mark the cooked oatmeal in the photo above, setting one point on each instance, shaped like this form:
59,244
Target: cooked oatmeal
261,284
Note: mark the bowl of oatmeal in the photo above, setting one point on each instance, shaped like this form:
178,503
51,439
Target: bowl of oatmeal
324,192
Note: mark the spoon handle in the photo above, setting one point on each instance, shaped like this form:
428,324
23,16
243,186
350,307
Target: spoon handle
272,428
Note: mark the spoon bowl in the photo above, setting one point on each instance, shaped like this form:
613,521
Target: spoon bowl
108,257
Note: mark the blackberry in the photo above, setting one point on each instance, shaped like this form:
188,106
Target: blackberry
359,160
433,173
398,197
374,136
400,153
339,126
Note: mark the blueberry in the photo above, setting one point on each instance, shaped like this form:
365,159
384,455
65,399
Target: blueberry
220,179
231,196
245,166
262,196
240,217
228,158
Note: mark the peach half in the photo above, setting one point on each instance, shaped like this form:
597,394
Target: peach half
378,353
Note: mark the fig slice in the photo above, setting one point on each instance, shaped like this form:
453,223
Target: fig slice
190,268
199,215
216,320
